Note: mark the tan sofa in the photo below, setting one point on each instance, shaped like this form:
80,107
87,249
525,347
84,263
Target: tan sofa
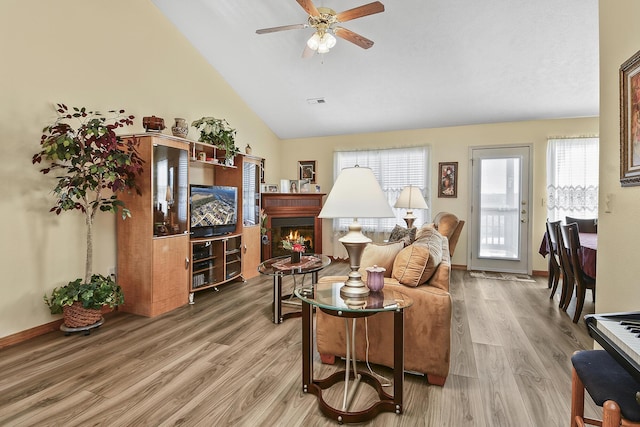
427,325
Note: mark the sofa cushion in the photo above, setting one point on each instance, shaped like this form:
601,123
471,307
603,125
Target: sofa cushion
402,234
434,241
410,265
424,229
380,254
415,264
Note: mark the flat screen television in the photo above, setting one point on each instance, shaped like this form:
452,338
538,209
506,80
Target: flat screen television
213,210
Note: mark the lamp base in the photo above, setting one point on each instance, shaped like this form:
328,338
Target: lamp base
409,219
354,289
354,242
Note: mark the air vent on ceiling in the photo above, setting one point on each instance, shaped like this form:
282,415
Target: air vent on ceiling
316,101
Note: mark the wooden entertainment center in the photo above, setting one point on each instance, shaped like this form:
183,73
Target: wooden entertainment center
160,266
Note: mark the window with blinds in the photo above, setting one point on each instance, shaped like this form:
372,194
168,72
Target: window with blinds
572,178
394,169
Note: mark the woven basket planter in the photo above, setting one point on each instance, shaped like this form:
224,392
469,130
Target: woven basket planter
76,316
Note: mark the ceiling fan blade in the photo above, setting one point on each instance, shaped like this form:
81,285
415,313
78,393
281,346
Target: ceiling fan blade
282,28
360,11
352,37
307,52
309,7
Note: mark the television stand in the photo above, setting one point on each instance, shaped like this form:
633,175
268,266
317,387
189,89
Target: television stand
215,260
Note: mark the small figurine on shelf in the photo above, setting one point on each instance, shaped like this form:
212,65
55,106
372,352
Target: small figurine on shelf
248,149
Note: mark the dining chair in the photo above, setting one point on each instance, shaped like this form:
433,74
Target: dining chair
584,225
554,255
573,268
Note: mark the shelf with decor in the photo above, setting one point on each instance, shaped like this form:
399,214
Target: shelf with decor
215,260
208,154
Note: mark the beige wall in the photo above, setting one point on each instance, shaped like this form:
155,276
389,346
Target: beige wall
448,145
103,55
618,230
131,57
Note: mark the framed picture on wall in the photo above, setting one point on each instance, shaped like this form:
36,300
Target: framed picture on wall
630,121
448,179
307,170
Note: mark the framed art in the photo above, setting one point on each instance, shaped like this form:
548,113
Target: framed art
448,179
272,188
630,121
304,186
307,170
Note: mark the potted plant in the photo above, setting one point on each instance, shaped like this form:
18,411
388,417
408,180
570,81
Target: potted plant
89,160
219,133
296,246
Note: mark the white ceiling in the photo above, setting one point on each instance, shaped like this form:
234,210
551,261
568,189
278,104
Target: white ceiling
435,63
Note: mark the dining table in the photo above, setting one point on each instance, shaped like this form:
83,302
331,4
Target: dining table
588,251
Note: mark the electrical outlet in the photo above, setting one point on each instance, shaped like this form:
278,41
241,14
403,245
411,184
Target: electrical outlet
112,272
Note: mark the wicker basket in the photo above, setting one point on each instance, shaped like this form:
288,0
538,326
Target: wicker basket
76,315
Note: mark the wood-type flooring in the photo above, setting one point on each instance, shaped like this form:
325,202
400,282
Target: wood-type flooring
222,362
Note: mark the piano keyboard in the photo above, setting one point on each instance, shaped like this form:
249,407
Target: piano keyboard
623,333
619,335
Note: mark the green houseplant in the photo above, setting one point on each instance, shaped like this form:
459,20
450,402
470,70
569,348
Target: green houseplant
219,133
92,164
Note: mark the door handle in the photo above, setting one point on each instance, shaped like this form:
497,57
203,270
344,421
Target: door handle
186,263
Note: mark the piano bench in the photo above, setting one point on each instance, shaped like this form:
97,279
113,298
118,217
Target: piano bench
609,385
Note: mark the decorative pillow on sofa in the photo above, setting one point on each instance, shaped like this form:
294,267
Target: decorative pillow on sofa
424,229
380,254
410,265
401,234
415,264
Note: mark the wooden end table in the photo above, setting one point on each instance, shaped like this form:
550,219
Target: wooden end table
326,297
281,266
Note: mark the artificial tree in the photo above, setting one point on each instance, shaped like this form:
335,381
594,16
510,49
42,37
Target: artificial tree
93,164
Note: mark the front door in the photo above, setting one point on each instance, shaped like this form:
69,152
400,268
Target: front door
500,208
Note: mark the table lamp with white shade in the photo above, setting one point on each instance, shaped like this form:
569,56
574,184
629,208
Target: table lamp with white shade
355,194
411,198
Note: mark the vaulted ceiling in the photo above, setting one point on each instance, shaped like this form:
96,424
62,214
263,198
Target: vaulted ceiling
435,63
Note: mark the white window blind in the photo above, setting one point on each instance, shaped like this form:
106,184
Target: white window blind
572,178
394,169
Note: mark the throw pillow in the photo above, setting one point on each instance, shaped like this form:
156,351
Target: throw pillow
422,230
431,239
380,254
410,265
401,234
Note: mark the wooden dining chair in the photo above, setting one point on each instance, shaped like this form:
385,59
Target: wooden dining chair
584,225
554,256
573,268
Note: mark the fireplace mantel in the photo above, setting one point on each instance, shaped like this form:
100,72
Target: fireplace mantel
293,205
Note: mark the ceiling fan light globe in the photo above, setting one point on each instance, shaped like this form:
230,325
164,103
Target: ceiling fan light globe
329,40
323,49
314,41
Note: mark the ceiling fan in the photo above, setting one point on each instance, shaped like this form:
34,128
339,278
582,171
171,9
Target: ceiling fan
324,21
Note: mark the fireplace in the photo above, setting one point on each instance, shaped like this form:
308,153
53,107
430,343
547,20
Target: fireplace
291,216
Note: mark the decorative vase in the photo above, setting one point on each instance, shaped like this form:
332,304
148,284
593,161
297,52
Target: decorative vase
153,124
295,257
375,278
248,149
181,128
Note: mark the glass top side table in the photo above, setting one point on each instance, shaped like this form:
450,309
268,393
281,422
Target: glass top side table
280,267
326,297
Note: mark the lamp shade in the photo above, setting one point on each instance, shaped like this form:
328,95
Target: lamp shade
356,194
411,198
